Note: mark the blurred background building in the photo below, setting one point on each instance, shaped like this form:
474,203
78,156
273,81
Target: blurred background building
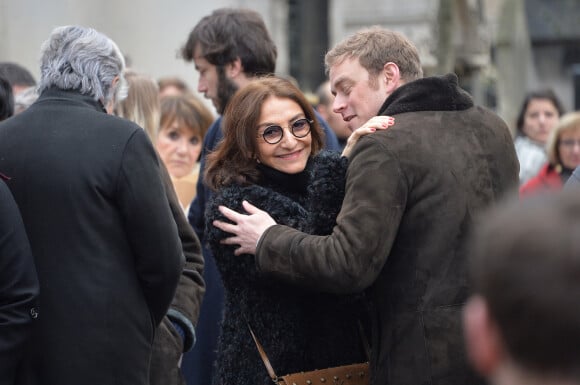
499,48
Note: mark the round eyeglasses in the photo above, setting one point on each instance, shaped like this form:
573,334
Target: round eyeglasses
300,128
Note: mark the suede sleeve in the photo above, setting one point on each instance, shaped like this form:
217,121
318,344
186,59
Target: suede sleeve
350,259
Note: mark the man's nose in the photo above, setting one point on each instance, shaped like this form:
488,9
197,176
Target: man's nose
339,104
201,86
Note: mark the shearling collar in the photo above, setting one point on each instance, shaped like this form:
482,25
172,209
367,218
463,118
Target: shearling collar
437,93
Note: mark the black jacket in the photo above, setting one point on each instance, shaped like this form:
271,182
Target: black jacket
169,345
300,330
18,287
102,235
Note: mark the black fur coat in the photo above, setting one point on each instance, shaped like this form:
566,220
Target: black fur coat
300,330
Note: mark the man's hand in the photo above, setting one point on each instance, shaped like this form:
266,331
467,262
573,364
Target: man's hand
247,229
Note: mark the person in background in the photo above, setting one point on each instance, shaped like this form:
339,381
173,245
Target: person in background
563,148
538,115
142,104
6,99
229,48
102,235
18,287
334,120
24,99
184,123
522,322
18,76
412,194
176,334
18,281
172,85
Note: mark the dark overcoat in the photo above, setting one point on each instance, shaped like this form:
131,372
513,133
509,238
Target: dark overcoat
104,241
18,287
169,345
413,193
300,330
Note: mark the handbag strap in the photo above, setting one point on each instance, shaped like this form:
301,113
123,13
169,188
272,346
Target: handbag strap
365,342
263,356
268,365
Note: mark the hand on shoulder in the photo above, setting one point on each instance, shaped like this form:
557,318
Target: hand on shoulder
373,124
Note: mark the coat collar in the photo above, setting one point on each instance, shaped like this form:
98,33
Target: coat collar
73,96
437,93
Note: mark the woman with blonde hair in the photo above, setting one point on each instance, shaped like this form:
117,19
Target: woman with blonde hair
142,102
563,149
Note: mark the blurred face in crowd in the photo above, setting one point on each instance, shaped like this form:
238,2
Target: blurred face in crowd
291,153
179,148
333,119
569,148
358,95
540,118
170,90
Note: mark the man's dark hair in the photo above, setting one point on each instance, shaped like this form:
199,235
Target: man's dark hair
16,74
526,266
6,99
230,33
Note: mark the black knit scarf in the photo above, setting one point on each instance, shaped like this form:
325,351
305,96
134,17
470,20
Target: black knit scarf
278,180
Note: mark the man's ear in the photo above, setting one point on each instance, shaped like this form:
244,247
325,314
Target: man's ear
110,107
234,68
482,337
391,76
116,80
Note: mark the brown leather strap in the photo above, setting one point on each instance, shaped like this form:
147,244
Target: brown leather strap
264,356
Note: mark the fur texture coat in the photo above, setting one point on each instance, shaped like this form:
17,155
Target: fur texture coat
300,330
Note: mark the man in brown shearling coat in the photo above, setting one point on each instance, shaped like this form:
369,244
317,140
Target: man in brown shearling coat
412,195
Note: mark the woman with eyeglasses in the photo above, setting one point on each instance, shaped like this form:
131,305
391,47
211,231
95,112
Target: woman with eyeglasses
271,156
563,148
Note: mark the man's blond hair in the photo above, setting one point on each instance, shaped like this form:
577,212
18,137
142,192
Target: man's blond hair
376,46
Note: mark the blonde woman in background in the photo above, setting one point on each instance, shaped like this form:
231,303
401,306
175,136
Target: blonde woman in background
184,123
563,149
142,103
